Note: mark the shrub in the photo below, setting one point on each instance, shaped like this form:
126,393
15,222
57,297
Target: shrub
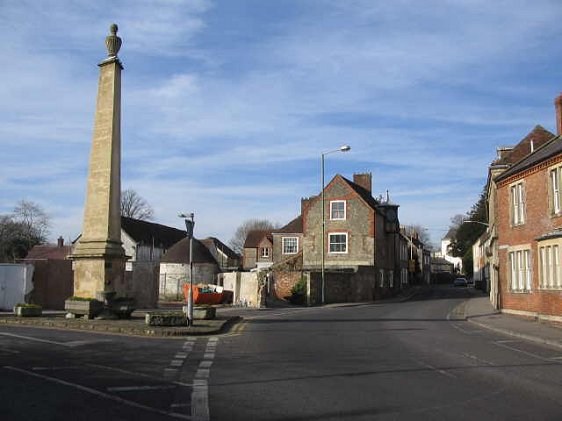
298,292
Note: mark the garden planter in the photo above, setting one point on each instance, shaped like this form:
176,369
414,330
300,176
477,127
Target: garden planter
123,307
28,311
166,319
89,308
204,313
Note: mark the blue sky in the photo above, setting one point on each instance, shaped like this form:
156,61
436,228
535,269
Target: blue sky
228,104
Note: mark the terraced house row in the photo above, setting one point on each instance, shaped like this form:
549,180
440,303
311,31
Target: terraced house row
519,254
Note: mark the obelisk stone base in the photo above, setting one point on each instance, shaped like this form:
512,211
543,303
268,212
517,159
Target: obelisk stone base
96,274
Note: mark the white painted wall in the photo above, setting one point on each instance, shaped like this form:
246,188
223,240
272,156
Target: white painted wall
244,285
15,283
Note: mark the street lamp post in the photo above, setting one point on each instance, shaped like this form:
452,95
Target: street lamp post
344,148
189,225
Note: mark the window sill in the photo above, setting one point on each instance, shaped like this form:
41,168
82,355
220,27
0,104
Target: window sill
551,289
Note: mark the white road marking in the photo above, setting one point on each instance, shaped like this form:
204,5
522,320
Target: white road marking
200,392
9,351
70,344
474,357
507,341
29,338
556,358
139,388
205,364
133,373
181,355
202,373
176,363
70,367
530,354
437,370
97,393
200,401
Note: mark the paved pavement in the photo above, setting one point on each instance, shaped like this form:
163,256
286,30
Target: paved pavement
403,359
479,311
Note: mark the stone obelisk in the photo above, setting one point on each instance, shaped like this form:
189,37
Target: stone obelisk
99,258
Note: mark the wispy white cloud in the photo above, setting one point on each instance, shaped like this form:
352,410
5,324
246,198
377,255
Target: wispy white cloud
225,110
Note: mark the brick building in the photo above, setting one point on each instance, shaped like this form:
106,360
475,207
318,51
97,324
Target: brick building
364,254
258,250
524,241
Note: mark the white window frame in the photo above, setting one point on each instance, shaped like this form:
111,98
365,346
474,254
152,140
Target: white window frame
285,245
332,203
555,174
520,266
330,242
549,266
517,200
264,252
381,271
391,278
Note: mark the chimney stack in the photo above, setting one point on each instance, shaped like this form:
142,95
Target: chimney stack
60,242
364,180
558,106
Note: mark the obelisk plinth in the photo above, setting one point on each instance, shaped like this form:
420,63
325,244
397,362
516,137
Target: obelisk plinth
99,258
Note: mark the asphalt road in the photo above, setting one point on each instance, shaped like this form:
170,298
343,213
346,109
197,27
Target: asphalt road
410,360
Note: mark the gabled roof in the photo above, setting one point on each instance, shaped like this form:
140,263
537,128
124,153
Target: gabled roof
179,253
539,136
254,238
212,241
48,251
548,150
293,227
362,192
149,232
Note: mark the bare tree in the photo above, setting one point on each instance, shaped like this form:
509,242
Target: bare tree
239,238
421,232
134,206
25,227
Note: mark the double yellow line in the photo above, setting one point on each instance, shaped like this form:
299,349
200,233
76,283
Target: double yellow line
238,329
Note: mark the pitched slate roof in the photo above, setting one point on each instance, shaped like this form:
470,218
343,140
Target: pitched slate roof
548,150
364,193
255,236
48,251
179,253
293,227
149,232
539,136
213,241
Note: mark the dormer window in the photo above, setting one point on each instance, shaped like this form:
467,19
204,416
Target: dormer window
337,210
265,252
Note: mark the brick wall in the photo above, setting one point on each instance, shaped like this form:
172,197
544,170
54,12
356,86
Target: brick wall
538,221
283,282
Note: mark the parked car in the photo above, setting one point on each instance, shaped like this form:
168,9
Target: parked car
460,282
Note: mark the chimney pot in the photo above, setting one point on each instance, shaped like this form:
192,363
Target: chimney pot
364,180
60,241
558,107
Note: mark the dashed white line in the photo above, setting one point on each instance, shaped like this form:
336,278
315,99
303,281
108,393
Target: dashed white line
205,364
176,363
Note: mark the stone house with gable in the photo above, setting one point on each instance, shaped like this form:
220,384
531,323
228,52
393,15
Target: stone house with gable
362,247
226,258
